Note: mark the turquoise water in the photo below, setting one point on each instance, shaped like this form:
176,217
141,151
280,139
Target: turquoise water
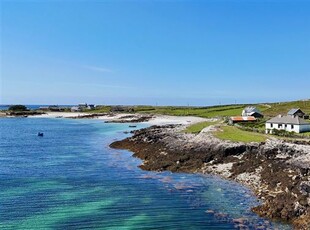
71,179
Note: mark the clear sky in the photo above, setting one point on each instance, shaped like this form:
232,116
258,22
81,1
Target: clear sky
148,52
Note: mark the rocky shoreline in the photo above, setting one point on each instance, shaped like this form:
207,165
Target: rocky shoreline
133,118
277,171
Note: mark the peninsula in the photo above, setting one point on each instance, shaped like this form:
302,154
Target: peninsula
214,140
276,168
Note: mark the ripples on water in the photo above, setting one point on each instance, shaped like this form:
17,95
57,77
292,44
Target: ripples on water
71,179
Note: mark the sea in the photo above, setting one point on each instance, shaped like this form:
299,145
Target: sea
71,179
34,107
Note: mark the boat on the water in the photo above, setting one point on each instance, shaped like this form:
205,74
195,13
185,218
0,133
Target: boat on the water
40,134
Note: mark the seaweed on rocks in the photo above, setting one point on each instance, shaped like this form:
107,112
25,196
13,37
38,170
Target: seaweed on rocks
277,171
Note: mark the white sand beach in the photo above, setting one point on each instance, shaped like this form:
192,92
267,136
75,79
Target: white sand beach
184,120
155,120
58,115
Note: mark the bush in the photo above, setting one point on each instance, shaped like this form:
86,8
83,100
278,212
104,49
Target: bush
283,133
18,108
250,129
259,124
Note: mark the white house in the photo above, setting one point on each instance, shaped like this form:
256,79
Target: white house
83,106
288,123
252,111
75,109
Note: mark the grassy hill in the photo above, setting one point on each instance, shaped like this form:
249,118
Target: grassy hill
206,112
268,109
284,107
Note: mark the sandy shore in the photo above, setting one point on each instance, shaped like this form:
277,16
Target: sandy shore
154,120
58,115
166,120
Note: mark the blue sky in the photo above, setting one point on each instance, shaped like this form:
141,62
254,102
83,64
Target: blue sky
154,52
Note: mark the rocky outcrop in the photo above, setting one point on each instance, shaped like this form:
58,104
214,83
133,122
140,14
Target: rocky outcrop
135,118
23,113
91,115
277,171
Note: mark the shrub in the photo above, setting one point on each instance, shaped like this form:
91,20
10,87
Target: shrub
283,133
18,108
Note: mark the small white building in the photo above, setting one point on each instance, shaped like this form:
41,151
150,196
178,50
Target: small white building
84,106
252,111
288,123
75,109
91,106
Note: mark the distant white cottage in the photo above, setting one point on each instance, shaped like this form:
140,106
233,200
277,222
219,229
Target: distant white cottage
75,109
82,106
252,111
290,123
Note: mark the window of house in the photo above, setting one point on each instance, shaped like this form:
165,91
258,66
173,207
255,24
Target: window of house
292,126
271,125
280,125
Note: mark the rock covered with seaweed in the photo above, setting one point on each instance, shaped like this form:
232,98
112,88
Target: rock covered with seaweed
277,171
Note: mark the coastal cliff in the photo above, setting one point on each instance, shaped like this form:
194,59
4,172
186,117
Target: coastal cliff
277,171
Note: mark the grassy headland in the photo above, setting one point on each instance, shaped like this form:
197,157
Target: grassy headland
221,111
226,132
268,109
237,135
196,128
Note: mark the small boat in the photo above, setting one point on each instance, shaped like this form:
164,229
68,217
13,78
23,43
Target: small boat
132,126
40,134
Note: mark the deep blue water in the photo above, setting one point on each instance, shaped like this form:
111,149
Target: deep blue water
71,179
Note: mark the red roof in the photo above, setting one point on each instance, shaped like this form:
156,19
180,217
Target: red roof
240,118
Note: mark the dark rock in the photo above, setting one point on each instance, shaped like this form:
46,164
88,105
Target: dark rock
282,184
305,187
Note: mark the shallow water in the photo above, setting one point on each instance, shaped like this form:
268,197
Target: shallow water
71,179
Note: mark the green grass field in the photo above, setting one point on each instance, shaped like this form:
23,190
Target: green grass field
284,107
100,109
236,135
206,112
196,128
259,124
269,110
229,132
